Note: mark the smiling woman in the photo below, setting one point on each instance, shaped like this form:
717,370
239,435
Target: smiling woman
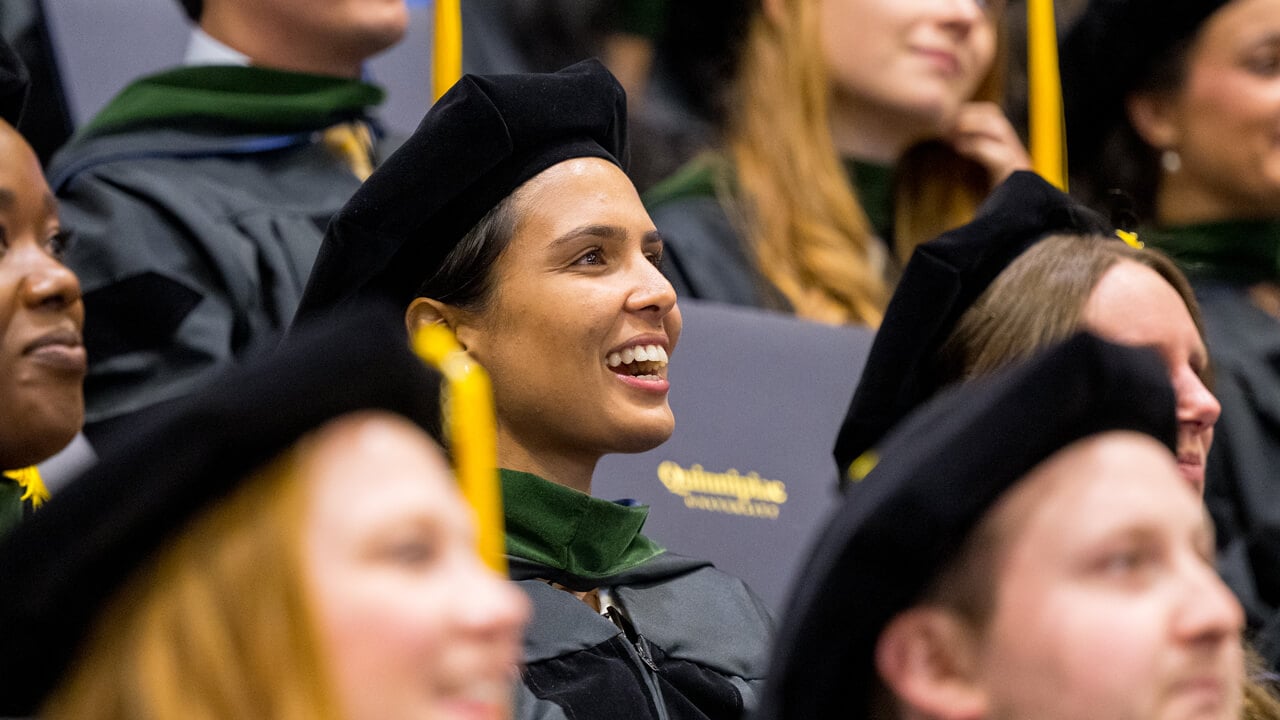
1183,119
42,358
508,218
569,297
855,130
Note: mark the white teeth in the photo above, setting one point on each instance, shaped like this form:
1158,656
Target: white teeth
638,353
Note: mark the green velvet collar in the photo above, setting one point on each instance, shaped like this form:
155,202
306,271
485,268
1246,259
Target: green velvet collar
703,176
10,505
246,99
874,185
1239,251
570,531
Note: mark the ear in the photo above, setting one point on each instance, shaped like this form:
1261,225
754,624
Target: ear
429,311
1155,119
928,658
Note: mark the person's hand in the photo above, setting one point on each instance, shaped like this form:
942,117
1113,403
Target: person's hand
983,134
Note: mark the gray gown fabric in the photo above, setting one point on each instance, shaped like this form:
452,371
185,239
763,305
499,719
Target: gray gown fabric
1241,487
685,644
192,245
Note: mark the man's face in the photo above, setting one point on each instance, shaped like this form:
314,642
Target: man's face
332,37
1107,604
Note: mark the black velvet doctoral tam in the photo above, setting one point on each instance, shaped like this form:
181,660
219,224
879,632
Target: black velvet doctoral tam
483,139
940,471
59,568
14,83
941,281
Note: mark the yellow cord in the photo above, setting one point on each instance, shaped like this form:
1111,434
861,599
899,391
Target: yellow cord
33,486
446,53
471,428
1047,130
862,466
1130,239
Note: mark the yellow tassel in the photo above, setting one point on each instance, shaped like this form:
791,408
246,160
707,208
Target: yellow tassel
1130,239
471,426
446,54
862,466
29,480
1048,143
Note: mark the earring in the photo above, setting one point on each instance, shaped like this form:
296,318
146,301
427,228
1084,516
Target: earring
1171,161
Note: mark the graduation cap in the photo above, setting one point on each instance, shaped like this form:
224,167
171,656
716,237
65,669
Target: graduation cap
941,281
940,472
482,140
14,82
1114,48
193,8
60,567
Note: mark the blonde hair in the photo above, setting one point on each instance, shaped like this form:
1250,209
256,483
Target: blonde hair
216,626
794,202
1039,299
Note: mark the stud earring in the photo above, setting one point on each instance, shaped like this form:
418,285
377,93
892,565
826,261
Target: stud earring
1171,161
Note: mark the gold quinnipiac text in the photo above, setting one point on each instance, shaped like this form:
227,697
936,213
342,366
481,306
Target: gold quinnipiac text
730,492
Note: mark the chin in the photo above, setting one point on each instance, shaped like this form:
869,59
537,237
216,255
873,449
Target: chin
933,115
35,449
45,431
378,37
643,437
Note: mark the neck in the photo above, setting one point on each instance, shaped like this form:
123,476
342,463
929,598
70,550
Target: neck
571,471
279,49
1181,200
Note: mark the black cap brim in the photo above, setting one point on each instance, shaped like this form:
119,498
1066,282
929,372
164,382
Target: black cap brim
938,474
941,281
60,567
482,140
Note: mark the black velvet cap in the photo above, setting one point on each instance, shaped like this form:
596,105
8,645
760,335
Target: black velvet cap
1114,47
941,281
193,8
14,82
483,139
59,568
941,470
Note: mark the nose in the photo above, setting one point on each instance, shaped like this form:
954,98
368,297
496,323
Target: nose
651,291
963,14
47,284
493,607
1196,406
1208,611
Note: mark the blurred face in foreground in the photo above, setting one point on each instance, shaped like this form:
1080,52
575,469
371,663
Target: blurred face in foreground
413,624
1108,604
1106,601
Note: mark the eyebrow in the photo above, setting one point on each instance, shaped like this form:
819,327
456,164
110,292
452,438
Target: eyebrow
605,232
8,199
